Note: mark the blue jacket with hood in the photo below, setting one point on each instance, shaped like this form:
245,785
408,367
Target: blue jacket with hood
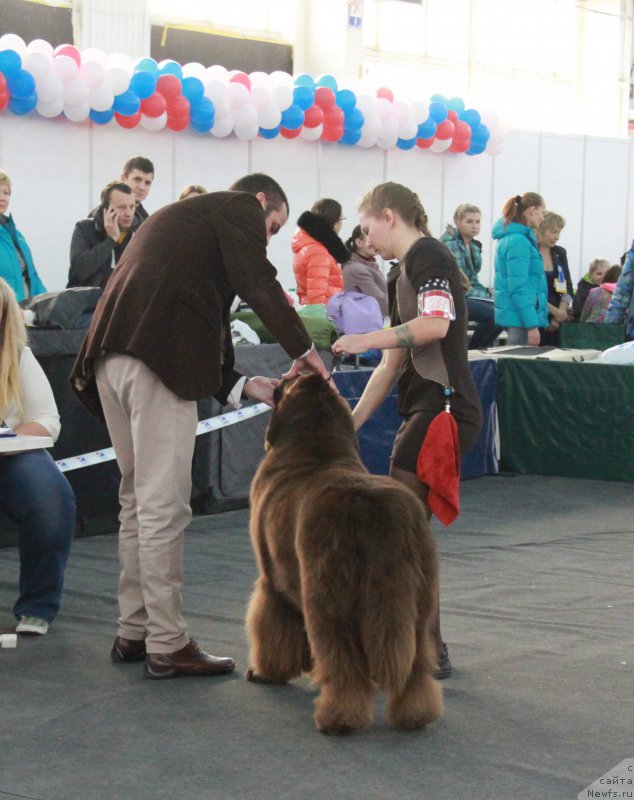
10,267
521,293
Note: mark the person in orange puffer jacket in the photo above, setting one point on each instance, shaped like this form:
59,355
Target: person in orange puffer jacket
318,252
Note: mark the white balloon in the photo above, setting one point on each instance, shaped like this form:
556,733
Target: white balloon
389,129
222,108
440,145
371,125
401,111
420,112
245,117
102,98
218,73
366,104
270,117
367,140
384,108
153,123
194,70
386,142
51,108
65,68
216,91
94,55
11,41
49,89
407,128
279,78
238,95
282,96
38,64
78,112
493,149
247,134
260,80
117,80
312,134
260,98
223,126
121,61
76,92
92,73
40,46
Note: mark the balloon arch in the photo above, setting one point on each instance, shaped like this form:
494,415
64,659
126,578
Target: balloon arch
93,85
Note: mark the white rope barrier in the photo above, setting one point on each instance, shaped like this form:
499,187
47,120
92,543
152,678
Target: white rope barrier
204,426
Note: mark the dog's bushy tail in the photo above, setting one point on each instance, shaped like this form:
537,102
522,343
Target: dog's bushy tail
372,567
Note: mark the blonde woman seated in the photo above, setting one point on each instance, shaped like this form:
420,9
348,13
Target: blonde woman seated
192,190
33,492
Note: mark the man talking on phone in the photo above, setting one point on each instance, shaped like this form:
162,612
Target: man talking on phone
99,242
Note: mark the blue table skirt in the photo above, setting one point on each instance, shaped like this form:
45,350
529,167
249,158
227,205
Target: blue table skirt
377,435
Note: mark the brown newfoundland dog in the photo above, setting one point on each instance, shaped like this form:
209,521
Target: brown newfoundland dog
348,569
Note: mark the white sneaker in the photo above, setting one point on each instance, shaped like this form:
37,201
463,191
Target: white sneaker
32,625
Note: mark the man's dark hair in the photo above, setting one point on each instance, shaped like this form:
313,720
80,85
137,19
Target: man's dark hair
138,162
258,182
108,189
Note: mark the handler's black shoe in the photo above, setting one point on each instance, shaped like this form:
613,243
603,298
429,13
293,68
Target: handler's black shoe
444,665
127,651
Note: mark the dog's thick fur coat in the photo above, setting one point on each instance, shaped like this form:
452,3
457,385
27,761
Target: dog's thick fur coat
348,569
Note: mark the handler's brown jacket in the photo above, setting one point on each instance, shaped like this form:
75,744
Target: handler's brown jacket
168,301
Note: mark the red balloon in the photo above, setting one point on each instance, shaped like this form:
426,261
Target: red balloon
240,77
424,143
452,115
385,93
4,99
313,117
287,133
68,50
3,83
177,123
445,130
169,86
154,105
128,122
462,132
332,133
178,108
334,118
324,98
459,147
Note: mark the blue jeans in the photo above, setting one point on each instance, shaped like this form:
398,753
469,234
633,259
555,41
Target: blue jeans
36,496
486,332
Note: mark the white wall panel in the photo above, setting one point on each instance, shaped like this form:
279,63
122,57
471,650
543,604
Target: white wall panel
202,158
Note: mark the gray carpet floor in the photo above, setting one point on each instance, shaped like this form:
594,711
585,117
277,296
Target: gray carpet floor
537,605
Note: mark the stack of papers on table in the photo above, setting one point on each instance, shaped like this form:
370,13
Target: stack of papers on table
13,443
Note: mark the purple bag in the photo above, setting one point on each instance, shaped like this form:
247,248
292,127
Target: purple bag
354,312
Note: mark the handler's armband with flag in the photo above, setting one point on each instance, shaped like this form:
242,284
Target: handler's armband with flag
435,300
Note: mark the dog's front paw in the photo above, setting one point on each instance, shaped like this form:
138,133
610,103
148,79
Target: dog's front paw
253,677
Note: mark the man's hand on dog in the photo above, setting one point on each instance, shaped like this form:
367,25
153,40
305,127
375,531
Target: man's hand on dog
260,388
311,363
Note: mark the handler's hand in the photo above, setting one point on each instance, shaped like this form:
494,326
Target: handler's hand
533,337
261,389
312,362
352,343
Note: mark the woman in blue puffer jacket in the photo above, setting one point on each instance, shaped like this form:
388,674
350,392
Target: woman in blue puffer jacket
521,293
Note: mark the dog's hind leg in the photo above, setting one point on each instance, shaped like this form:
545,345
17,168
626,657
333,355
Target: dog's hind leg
278,645
420,702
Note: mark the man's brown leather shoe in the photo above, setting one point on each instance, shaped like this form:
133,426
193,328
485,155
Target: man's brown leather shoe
189,660
127,651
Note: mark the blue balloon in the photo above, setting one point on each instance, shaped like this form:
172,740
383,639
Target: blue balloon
143,84
269,133
201,127
406,144
101,117
438,111
127,103
475,150
193,89
304,96
10,63
479,136
293,117
171,68
327,80
305,80
23,105
350,137
202,112
455,104
147,65
471,117
427,129
346,100
439,98
353,120
21,85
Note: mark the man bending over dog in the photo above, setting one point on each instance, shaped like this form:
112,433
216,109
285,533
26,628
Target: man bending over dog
159,341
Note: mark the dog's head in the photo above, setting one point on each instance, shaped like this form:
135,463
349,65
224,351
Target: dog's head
308,410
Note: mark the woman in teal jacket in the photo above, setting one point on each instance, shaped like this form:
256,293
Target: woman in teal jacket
16,261
521,294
